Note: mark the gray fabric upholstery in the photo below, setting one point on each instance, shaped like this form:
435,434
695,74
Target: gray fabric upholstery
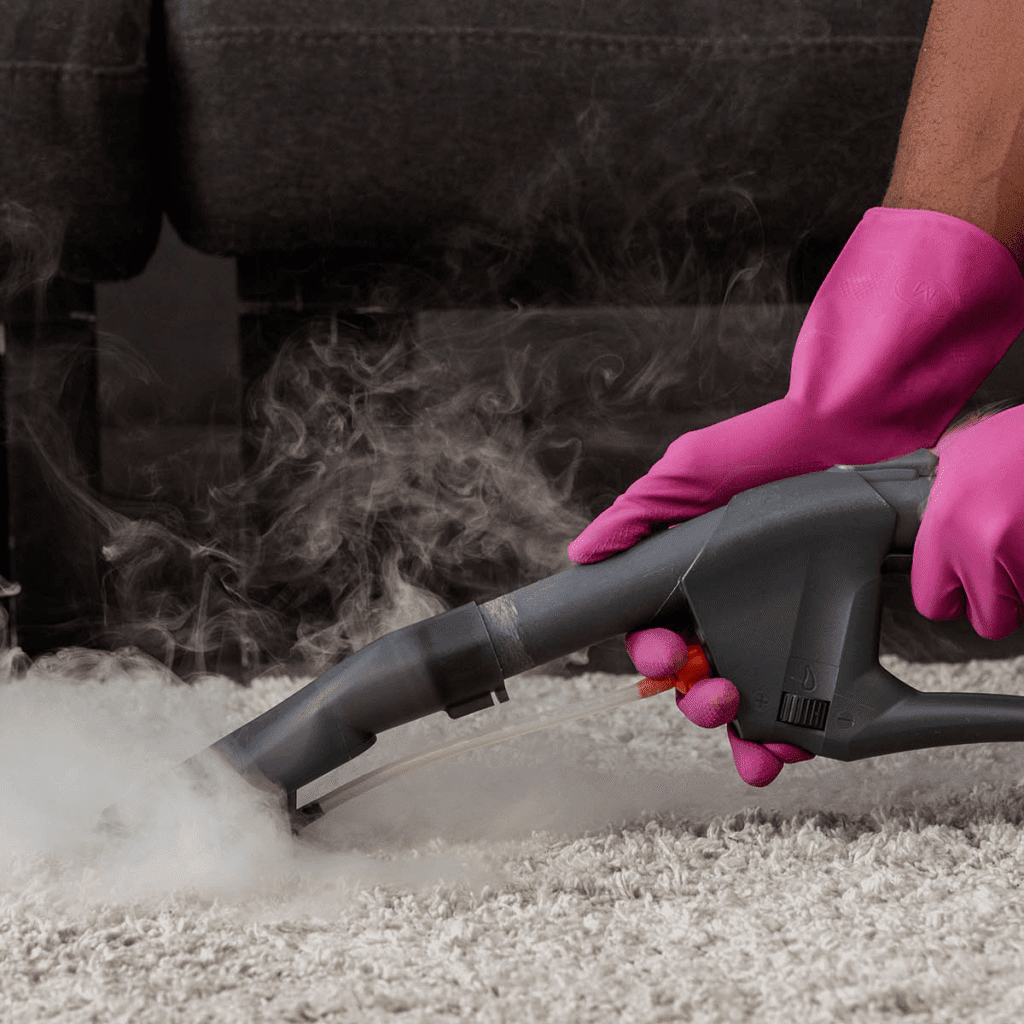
380,122
75,123
343,122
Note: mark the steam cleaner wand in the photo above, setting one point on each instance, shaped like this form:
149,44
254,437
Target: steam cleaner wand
780,588
695,669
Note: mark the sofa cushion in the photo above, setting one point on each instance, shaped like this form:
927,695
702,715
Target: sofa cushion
75,120
362,122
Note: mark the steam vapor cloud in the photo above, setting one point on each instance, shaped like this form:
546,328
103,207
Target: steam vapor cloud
451,460
392,478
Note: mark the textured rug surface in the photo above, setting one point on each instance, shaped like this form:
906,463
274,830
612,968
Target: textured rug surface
611,869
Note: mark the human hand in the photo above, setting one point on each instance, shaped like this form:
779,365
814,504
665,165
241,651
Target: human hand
969,552
915,313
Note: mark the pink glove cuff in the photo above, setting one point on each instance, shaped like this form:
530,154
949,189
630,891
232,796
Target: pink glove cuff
914,314
949,301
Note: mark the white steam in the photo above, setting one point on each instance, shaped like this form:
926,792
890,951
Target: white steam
83,730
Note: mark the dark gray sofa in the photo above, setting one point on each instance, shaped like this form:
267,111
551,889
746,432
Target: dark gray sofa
384,154
266,126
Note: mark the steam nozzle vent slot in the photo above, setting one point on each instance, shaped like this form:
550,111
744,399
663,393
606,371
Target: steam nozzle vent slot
479,703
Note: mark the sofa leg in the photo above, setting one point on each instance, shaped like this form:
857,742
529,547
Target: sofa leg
52,466
9,589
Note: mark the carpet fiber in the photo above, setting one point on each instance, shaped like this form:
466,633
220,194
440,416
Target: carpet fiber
614,868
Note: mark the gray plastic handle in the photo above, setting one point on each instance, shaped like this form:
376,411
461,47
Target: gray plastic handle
787,595
782,587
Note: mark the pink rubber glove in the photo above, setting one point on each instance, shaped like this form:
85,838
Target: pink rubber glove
914,314
970,546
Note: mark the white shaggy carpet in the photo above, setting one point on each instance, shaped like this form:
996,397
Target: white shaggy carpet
613,869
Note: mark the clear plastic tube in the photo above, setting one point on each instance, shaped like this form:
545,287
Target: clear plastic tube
696,668
395,770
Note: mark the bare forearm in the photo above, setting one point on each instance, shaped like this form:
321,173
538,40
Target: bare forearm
961,148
